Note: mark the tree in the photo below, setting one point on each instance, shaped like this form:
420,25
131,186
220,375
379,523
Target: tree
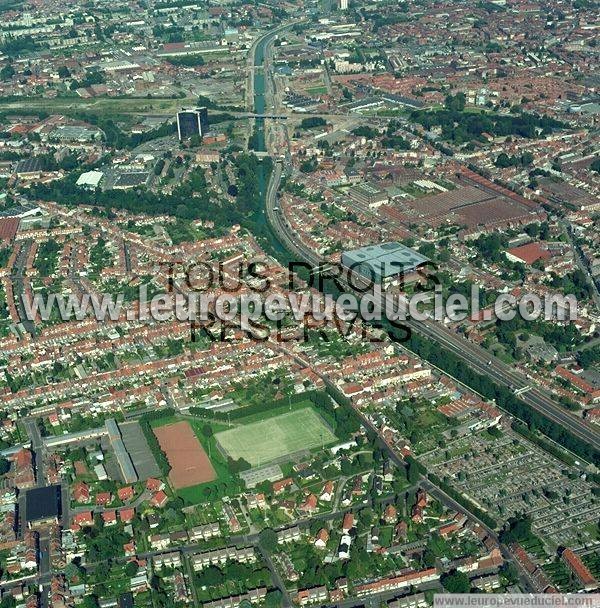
236,466
517,530
315,526
456,103
7,72
313,121
268,540
456,582
211,576
273,599
131,569
503,160
90,601
365,516
207,430
63,72
4,466
413,472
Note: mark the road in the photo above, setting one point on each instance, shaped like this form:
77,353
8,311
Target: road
449,501
476,357
38,447
581,263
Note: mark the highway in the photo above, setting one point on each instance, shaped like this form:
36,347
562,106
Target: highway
478,359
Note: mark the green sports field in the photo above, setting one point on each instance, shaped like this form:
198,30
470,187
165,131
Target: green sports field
266,440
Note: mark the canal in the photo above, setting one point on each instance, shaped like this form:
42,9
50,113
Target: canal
264,232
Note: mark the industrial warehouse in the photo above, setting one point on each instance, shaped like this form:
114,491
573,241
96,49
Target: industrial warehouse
384,263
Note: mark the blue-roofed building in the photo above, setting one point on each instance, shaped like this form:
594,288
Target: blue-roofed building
384,263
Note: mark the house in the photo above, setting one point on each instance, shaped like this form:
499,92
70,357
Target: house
579,569
129,549
327,493
153,520
417,514
418,508
390,515
392,583
344,548
448,529
348,523
103,498
374,534
309,505
109,517
486,583
126,515
85,518
415,600
125,494
288,535
160,541
388,471
401,530
171,560
139,583
280,485
256,501
154,485
312,595
81,492
159,499
180,536
205,531
322,538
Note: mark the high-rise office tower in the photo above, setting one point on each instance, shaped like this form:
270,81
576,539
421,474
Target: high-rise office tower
192,122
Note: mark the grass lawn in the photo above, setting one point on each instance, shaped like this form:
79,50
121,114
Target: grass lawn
272,412
100,105
319,90
266,440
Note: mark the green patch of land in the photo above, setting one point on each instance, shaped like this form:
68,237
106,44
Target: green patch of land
272,438
107,106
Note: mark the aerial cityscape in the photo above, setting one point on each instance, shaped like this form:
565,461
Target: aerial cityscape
299,302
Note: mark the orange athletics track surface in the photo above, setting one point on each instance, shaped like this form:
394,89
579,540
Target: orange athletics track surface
189,463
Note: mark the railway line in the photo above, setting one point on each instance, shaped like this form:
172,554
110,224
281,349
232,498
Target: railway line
477,358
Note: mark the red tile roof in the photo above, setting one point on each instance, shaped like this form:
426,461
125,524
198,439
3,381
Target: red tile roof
8,228
530,253
579,569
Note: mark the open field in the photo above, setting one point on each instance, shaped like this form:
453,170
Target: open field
267,440
99,105
189,463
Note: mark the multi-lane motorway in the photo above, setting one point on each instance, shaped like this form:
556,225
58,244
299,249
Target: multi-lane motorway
476,357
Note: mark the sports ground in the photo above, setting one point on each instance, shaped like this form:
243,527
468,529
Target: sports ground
267,440
189,463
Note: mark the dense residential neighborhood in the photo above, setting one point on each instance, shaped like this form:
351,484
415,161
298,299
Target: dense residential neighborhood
299,302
